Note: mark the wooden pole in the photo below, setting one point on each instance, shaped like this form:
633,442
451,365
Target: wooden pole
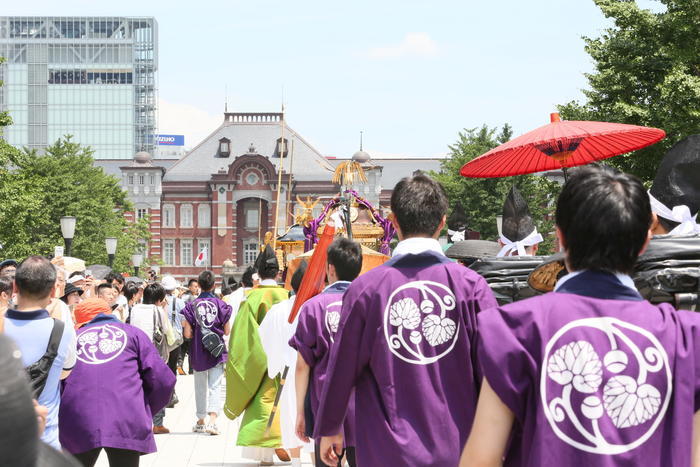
289,186
283,149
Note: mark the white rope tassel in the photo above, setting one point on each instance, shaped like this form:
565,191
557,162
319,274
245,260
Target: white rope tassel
509,247
680,214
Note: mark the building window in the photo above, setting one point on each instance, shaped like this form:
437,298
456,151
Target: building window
131,179
186,215
203,215
251,214
169,252
250,252
142,180
252,178
152,179
281,148
224,148
141,213
168,215
186,253
203,243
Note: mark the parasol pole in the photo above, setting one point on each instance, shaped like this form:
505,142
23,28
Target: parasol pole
259,220
283,149
289,187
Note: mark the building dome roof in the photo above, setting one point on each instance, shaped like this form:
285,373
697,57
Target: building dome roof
361,157
142,157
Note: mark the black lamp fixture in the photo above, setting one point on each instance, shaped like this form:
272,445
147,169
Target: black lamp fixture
111,246
68,231
136,260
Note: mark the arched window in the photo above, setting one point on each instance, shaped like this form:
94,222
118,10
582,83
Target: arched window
168,215
186,215
203,215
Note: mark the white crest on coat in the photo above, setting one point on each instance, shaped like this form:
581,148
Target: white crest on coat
100,344
332,318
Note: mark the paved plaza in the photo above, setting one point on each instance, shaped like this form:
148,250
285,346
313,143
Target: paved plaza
183,448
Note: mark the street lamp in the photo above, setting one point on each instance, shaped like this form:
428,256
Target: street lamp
111,245
68,231
136,260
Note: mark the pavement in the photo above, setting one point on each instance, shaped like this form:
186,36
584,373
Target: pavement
181,447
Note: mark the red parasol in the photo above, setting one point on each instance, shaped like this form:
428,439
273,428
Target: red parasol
315,275
559,145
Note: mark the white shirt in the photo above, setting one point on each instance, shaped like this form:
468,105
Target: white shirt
142,318
417,245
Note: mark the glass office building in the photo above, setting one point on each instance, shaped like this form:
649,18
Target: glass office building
90,77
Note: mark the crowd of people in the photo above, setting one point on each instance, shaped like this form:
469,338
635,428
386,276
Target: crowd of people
413,363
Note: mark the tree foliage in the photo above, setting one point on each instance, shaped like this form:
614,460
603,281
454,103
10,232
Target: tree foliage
647,72
37,189
483,198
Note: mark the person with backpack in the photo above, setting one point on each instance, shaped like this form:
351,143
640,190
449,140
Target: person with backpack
206,323
151,318
47,344
118,383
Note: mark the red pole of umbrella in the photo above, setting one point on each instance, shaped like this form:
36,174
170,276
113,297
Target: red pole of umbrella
560,145
312,283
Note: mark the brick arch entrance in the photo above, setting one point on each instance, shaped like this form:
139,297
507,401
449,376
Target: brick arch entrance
252,221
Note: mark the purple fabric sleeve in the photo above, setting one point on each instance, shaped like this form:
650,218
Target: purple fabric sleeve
506,363
158,380
350,354
304,338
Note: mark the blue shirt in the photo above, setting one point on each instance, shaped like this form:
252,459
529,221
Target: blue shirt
31,331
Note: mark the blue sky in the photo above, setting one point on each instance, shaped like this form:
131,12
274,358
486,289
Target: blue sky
410,74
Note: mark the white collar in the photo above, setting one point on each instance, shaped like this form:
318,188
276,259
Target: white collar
268,282
623,278
417,245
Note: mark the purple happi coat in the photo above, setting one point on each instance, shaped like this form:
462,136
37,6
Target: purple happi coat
316,330
213,313
595,375
406,344
118,383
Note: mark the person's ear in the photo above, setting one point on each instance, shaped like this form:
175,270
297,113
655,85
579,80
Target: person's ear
395,223
656,228
443,221
560,237
646,242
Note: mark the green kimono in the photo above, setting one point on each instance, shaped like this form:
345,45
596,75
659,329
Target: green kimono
248,388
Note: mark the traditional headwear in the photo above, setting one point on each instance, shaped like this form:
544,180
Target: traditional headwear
457,223
266,262
85,311
518,229
675,193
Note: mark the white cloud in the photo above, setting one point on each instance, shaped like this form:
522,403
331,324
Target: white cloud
414,44
196,124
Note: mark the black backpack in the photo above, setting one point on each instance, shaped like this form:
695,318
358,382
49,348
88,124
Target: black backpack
39,371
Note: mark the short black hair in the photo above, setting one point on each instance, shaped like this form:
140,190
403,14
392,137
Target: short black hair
5,285
153,293
102,286
419,204
35,277
114,276
130,290
247,278
191,281
206,280
346,256
298,276
605,217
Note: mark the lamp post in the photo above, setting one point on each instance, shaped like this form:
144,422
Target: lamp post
111,246
68,231
136,261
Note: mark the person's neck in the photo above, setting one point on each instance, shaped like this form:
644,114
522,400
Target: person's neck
31,304
427,237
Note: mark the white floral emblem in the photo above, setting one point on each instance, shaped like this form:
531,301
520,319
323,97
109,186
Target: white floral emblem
333,318
636,400
100,344
420,322
206,311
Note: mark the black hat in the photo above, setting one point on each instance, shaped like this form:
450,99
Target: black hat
472,249
70,288
677,180
517,221
266,262
458,220
8,262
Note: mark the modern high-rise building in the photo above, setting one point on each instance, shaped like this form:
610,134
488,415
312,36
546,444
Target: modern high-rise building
91,77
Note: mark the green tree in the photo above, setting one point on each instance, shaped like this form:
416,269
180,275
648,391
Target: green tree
38,189
5,118
647,72
483,198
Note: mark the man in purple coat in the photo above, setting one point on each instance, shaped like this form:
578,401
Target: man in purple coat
314,337
405,344
590,374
